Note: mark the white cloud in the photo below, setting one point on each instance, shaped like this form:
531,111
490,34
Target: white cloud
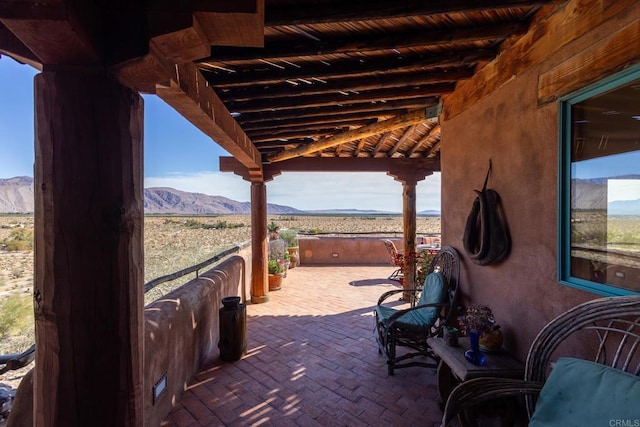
623,189
311,190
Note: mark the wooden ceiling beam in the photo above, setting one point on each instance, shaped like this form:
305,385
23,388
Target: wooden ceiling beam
381,142
337,122
10,45
304,102
402,140
408,119
346,85
57,33
336,164
375,107
190,95
366,43
306,133
308,121
418,145
340,11
345,68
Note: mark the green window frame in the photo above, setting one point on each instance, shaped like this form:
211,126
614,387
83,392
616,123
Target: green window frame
598,243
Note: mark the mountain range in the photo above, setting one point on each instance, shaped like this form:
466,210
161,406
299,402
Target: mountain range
16,196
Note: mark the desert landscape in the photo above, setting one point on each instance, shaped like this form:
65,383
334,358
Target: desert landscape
171,243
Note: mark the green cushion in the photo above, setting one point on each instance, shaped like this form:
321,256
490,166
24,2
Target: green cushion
434,291
583,393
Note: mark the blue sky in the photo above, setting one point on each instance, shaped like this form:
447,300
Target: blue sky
178,155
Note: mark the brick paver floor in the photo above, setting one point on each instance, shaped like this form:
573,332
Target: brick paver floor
312,360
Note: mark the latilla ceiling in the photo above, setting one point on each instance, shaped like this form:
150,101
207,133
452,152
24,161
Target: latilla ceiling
353,78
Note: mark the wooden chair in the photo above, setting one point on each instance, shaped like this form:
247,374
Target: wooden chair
410,328
397,259
557,389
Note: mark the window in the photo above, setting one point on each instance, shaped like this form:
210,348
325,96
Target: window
599,228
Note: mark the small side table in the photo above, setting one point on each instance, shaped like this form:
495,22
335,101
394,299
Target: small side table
453,368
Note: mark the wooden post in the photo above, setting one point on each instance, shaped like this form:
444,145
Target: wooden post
409,232
259,252
88,296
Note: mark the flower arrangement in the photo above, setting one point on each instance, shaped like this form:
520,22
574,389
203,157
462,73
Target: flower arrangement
478,319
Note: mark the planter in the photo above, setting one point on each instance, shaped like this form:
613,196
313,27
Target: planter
293,253
275,281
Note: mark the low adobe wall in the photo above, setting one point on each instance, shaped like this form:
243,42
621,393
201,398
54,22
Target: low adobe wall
182,331
323,250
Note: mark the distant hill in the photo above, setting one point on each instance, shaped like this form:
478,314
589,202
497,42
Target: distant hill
350,212
591,194
163,200
16,196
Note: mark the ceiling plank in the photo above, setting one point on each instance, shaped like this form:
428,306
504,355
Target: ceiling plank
341,11
345,68
190,95
366,43
408,119
304,102
345,85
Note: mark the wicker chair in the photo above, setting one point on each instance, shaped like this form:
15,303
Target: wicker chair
397,259
410,327
608,327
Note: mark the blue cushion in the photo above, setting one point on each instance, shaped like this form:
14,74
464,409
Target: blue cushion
422,318
583,393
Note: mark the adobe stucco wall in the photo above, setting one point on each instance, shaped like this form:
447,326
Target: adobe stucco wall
521,138
181,333
327,250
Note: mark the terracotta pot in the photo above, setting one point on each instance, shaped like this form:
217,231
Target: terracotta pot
275,281
293,253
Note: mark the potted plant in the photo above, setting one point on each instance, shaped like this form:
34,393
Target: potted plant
273,228
276,273
290,238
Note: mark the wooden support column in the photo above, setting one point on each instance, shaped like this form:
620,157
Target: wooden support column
409,231
88,293
259,252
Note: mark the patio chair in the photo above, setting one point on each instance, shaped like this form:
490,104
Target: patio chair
397,259
409,328
560,389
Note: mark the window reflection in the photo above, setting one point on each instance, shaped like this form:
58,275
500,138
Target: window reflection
605,188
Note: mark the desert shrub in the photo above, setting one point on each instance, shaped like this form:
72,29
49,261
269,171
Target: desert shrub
219,225
20,239
222,225
16,315
290,237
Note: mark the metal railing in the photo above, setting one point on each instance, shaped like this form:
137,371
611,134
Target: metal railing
194,268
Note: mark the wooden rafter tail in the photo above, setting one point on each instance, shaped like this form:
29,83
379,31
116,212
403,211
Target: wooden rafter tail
411,118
